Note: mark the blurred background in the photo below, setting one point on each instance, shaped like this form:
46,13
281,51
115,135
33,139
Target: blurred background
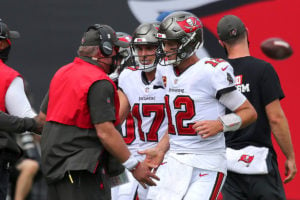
51,31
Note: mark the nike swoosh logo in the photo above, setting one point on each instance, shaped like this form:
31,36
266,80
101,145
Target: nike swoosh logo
202,175
224,68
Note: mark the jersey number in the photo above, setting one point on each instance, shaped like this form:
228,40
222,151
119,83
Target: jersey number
129,130
187,114
215,61
147,109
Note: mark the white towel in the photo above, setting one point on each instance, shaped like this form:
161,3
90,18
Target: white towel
249,160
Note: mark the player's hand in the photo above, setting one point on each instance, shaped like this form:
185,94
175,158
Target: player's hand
208,128
39,125
143,174
154,156
290,170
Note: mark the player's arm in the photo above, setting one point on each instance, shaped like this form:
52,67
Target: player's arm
15,124
16,101
243,115
156,154
124,106
280,129
43,110
107,133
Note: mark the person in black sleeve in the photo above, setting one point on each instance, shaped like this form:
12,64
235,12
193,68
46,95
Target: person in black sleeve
252,162
82,123
16,124
13,101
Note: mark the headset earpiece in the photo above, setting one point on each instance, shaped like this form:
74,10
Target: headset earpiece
105,44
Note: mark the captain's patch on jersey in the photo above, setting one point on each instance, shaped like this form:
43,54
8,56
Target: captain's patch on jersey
164,78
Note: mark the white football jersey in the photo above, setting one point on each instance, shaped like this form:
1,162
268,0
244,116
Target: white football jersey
147,106
193,96
130,135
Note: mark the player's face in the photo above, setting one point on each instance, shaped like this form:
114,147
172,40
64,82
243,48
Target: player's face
146,53
170,48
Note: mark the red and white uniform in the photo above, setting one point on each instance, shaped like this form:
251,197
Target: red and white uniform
146,127
193,96
147,107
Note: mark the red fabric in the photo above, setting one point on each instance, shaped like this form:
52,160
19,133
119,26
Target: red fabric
68,94
217,187
7,75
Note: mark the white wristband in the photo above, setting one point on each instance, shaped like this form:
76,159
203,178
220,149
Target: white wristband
231,122
130,163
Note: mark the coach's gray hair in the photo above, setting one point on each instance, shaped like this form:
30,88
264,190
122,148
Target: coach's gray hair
88,51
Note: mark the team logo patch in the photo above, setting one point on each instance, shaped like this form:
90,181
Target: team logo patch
246,159
190,24
164,78
229,78
108,100
239,80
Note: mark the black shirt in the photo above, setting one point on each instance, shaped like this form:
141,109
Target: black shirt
67,147
9,149
259,82
16,124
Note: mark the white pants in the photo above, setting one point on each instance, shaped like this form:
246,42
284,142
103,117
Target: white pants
126,191
180,181
129,190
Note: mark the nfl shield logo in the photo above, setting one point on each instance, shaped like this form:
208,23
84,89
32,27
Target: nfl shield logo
175,81
147,89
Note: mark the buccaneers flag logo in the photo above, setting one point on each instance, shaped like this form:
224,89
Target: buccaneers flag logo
246,159
190,24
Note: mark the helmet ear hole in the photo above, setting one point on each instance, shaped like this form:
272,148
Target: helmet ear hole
182,55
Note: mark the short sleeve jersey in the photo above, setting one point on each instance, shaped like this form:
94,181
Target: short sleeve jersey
193,96
147,106
259,82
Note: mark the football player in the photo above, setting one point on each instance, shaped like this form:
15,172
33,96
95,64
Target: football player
129,130
140,95
197,93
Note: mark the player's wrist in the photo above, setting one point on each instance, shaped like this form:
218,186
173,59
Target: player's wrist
135,167
130,163
230,122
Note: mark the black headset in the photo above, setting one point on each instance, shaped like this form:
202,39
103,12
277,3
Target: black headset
105,44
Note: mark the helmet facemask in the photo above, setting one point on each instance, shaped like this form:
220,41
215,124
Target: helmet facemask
144,46
145,61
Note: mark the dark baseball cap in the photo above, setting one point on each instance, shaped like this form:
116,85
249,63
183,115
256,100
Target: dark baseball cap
230,27
92,38
5,33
